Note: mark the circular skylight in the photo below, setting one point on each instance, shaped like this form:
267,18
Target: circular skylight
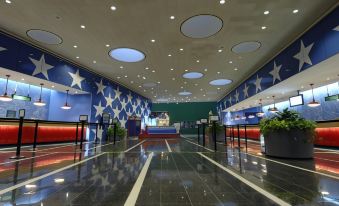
220,82
184,93
45,37
201,26
193,75
246,47
127,55
149,84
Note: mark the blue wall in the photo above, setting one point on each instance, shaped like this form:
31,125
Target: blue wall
24,58
81,104
32,111
320,43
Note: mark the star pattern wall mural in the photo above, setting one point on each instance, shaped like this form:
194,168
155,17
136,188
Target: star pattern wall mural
316,45
107,96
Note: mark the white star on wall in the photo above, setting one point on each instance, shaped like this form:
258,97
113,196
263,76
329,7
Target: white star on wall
101,87
99,133
257,84
236,96
230,100
2,49
129,97
116,112
123,105
117,93
138,101
303,55
76,79
245,90
123,122
98,109
41,66
336,28
109,100
275,72
134,107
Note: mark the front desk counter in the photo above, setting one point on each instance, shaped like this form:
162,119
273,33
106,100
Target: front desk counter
327,133
48,132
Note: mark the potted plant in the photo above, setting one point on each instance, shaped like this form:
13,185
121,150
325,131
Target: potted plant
121,132
109,133
288,135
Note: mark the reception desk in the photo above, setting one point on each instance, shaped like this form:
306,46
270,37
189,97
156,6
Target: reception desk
327,133
159,132
47,132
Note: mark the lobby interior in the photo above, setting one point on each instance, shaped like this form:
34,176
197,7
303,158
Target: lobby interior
195,102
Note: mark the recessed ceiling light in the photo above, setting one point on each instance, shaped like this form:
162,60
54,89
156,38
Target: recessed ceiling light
144,77
132,82
82,26
146,68
186,70
266,12
220,82
236,69
77,57
295,11
198,61
139,86
173,78
222,1
263,27
113,8
121,67
185,82
75,46
94,62
218,72
153,71
23,79
169,55
158,82
205,70
201,89
204,95
127,54
126,76
181,87
181,49
220,50
218,88
153,40
118,77
8,1
230,62
195,84
52,86
107,45
172,17
171,69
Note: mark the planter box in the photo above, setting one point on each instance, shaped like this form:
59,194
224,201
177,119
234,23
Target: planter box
289,144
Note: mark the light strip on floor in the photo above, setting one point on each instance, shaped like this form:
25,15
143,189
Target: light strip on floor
168,147
135,146
198,145
250,184
134,194
27,158
46,175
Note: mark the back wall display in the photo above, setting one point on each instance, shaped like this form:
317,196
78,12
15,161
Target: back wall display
107,96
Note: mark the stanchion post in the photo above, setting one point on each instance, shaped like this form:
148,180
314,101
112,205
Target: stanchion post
198,123
225,131
238,136
203,122
233,135
82,133
214,120
18,146
96,133
35,134
114,132
245,137
76,134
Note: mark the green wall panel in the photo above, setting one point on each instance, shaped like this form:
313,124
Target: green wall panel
186,111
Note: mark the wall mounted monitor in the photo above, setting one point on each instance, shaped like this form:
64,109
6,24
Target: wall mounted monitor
297,100
11,114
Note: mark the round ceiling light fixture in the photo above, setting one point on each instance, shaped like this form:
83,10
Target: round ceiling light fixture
149,84
184,93
43,36
201,26
246,47
220,82
127,55
193,75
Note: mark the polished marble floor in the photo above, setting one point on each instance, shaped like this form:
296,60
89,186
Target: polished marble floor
165,172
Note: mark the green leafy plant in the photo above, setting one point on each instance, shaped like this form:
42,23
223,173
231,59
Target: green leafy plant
285,121
121,132
110,132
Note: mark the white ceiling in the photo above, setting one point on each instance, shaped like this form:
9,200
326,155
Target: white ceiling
135,23
289,87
